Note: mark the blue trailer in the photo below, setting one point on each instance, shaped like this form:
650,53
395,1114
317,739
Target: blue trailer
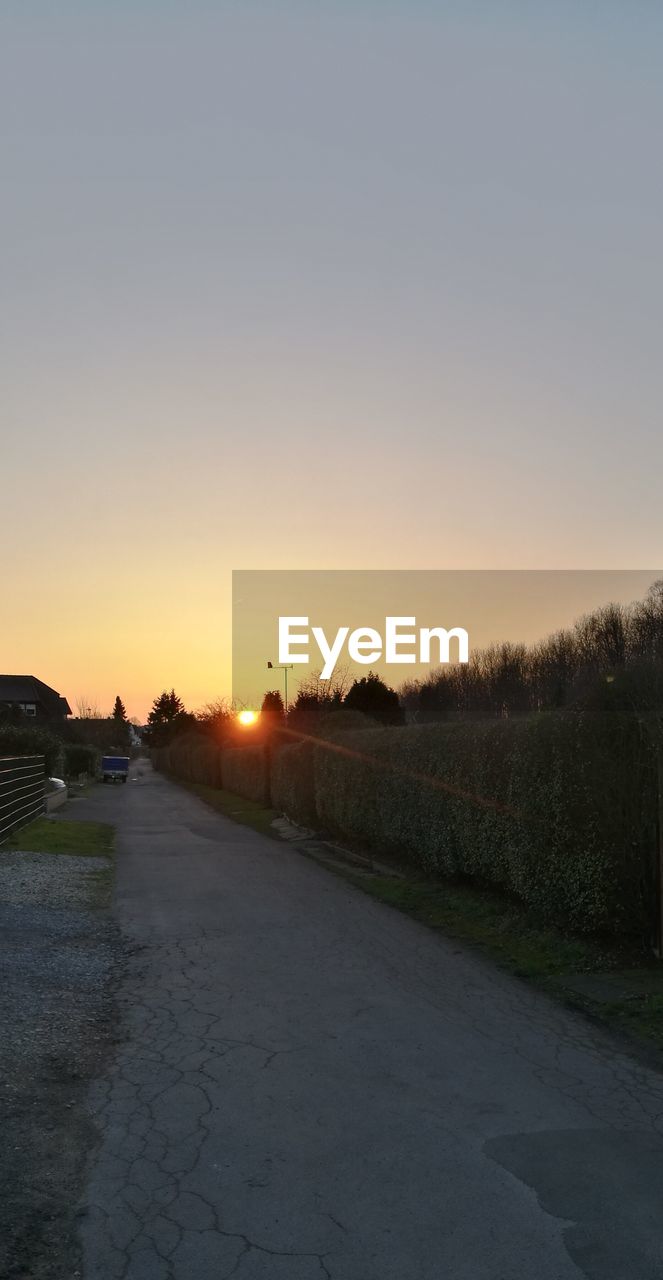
114,768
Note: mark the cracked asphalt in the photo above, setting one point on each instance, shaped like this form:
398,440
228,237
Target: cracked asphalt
310,1085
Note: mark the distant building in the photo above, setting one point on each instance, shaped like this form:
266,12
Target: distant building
34,698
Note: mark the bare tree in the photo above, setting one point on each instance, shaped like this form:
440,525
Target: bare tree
514,679
332,690
87,708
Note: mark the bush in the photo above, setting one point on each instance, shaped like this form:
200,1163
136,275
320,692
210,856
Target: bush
30,741
559,809
79,759
375,699
244,771
293,785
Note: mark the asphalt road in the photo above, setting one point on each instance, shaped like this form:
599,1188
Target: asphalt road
311,1085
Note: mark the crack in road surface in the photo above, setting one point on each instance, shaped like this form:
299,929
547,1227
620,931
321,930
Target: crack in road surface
311,1085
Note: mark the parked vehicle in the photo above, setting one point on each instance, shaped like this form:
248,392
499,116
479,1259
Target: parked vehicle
114,768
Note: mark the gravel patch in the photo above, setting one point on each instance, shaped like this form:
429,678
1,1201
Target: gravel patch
50,879
61,952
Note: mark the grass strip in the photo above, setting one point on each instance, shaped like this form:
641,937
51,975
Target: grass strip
522,946
57,835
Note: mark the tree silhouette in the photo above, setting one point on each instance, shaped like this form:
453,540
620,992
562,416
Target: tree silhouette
167,718
272,711
119,710
372,696
613,643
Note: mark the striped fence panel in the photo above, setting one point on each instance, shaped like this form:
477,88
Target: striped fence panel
22,792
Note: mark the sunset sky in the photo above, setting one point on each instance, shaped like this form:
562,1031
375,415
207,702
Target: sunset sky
316,285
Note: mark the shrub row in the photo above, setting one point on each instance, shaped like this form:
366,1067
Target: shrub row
15,740
244,770
195,758
293,783
558,809
68,758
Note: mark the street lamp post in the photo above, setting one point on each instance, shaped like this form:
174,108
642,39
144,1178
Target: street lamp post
285,667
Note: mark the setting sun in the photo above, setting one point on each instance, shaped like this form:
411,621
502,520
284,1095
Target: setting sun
247,717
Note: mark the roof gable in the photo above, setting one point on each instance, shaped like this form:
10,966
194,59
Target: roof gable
30,689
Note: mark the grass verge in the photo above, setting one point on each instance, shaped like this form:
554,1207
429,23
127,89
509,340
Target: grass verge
57,835
643,1019
491,922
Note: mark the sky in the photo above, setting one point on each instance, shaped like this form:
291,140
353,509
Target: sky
315,286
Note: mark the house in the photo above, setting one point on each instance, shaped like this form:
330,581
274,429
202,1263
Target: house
34,698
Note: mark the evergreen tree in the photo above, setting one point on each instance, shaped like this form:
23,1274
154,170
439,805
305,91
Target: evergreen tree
372,696
119,710
272,710
167,718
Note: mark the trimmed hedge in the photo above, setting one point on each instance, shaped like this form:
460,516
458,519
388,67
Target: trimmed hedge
244,771
192,757
202,762
558,809
292,767
293,783
195,758
18,740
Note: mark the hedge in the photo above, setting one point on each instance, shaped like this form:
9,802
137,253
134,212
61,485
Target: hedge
292,766
293,783
193,757
244,771
558,809
17,740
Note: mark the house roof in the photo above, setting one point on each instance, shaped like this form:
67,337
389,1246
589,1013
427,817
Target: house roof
30,689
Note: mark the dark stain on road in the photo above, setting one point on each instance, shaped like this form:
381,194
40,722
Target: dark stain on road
606,1185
